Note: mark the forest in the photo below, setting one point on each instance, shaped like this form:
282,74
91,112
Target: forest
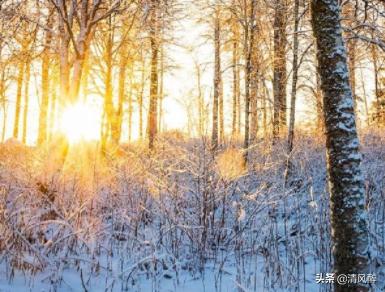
194,146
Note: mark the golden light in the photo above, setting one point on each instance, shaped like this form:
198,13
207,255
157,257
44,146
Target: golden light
80,122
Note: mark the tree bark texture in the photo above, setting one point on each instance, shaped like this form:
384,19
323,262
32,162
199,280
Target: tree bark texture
346,184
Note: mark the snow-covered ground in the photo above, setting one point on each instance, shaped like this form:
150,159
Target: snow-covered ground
178,220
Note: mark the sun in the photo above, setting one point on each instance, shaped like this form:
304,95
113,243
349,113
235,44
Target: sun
80,122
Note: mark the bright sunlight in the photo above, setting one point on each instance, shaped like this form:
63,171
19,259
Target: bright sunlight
80,122
192,145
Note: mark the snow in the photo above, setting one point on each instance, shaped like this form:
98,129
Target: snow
142,225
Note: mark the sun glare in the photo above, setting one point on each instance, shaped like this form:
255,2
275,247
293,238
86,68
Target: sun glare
80,122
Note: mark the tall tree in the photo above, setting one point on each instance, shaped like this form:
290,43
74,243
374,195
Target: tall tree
53,103
152,125
346,185
161,89
20,78
130,101
141,94
254,85
236,86
376,71
45,90
217,79
280,75
123,61
349,13
86,14
4,84
293,96
200,98
108,94
319,103
26,99
248,45
221,106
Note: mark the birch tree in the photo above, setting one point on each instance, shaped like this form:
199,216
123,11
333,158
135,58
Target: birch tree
279,66
346,185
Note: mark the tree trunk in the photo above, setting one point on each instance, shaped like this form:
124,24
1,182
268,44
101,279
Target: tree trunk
26,100
161,90
121,92
235,58
349,13
254,90
108,102
64,65
85,77
104,132
346,185
352,70
130,105
221,108
239,116
78,66
42,134
319,104
264,112
365,98
376,80
153,108
201,109
248,50
76,77
2,91
18,99
293,97
4,129
217,80
140,98
53,109
279,82
3,102
254,114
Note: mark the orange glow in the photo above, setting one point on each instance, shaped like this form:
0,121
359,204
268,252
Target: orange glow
80,122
